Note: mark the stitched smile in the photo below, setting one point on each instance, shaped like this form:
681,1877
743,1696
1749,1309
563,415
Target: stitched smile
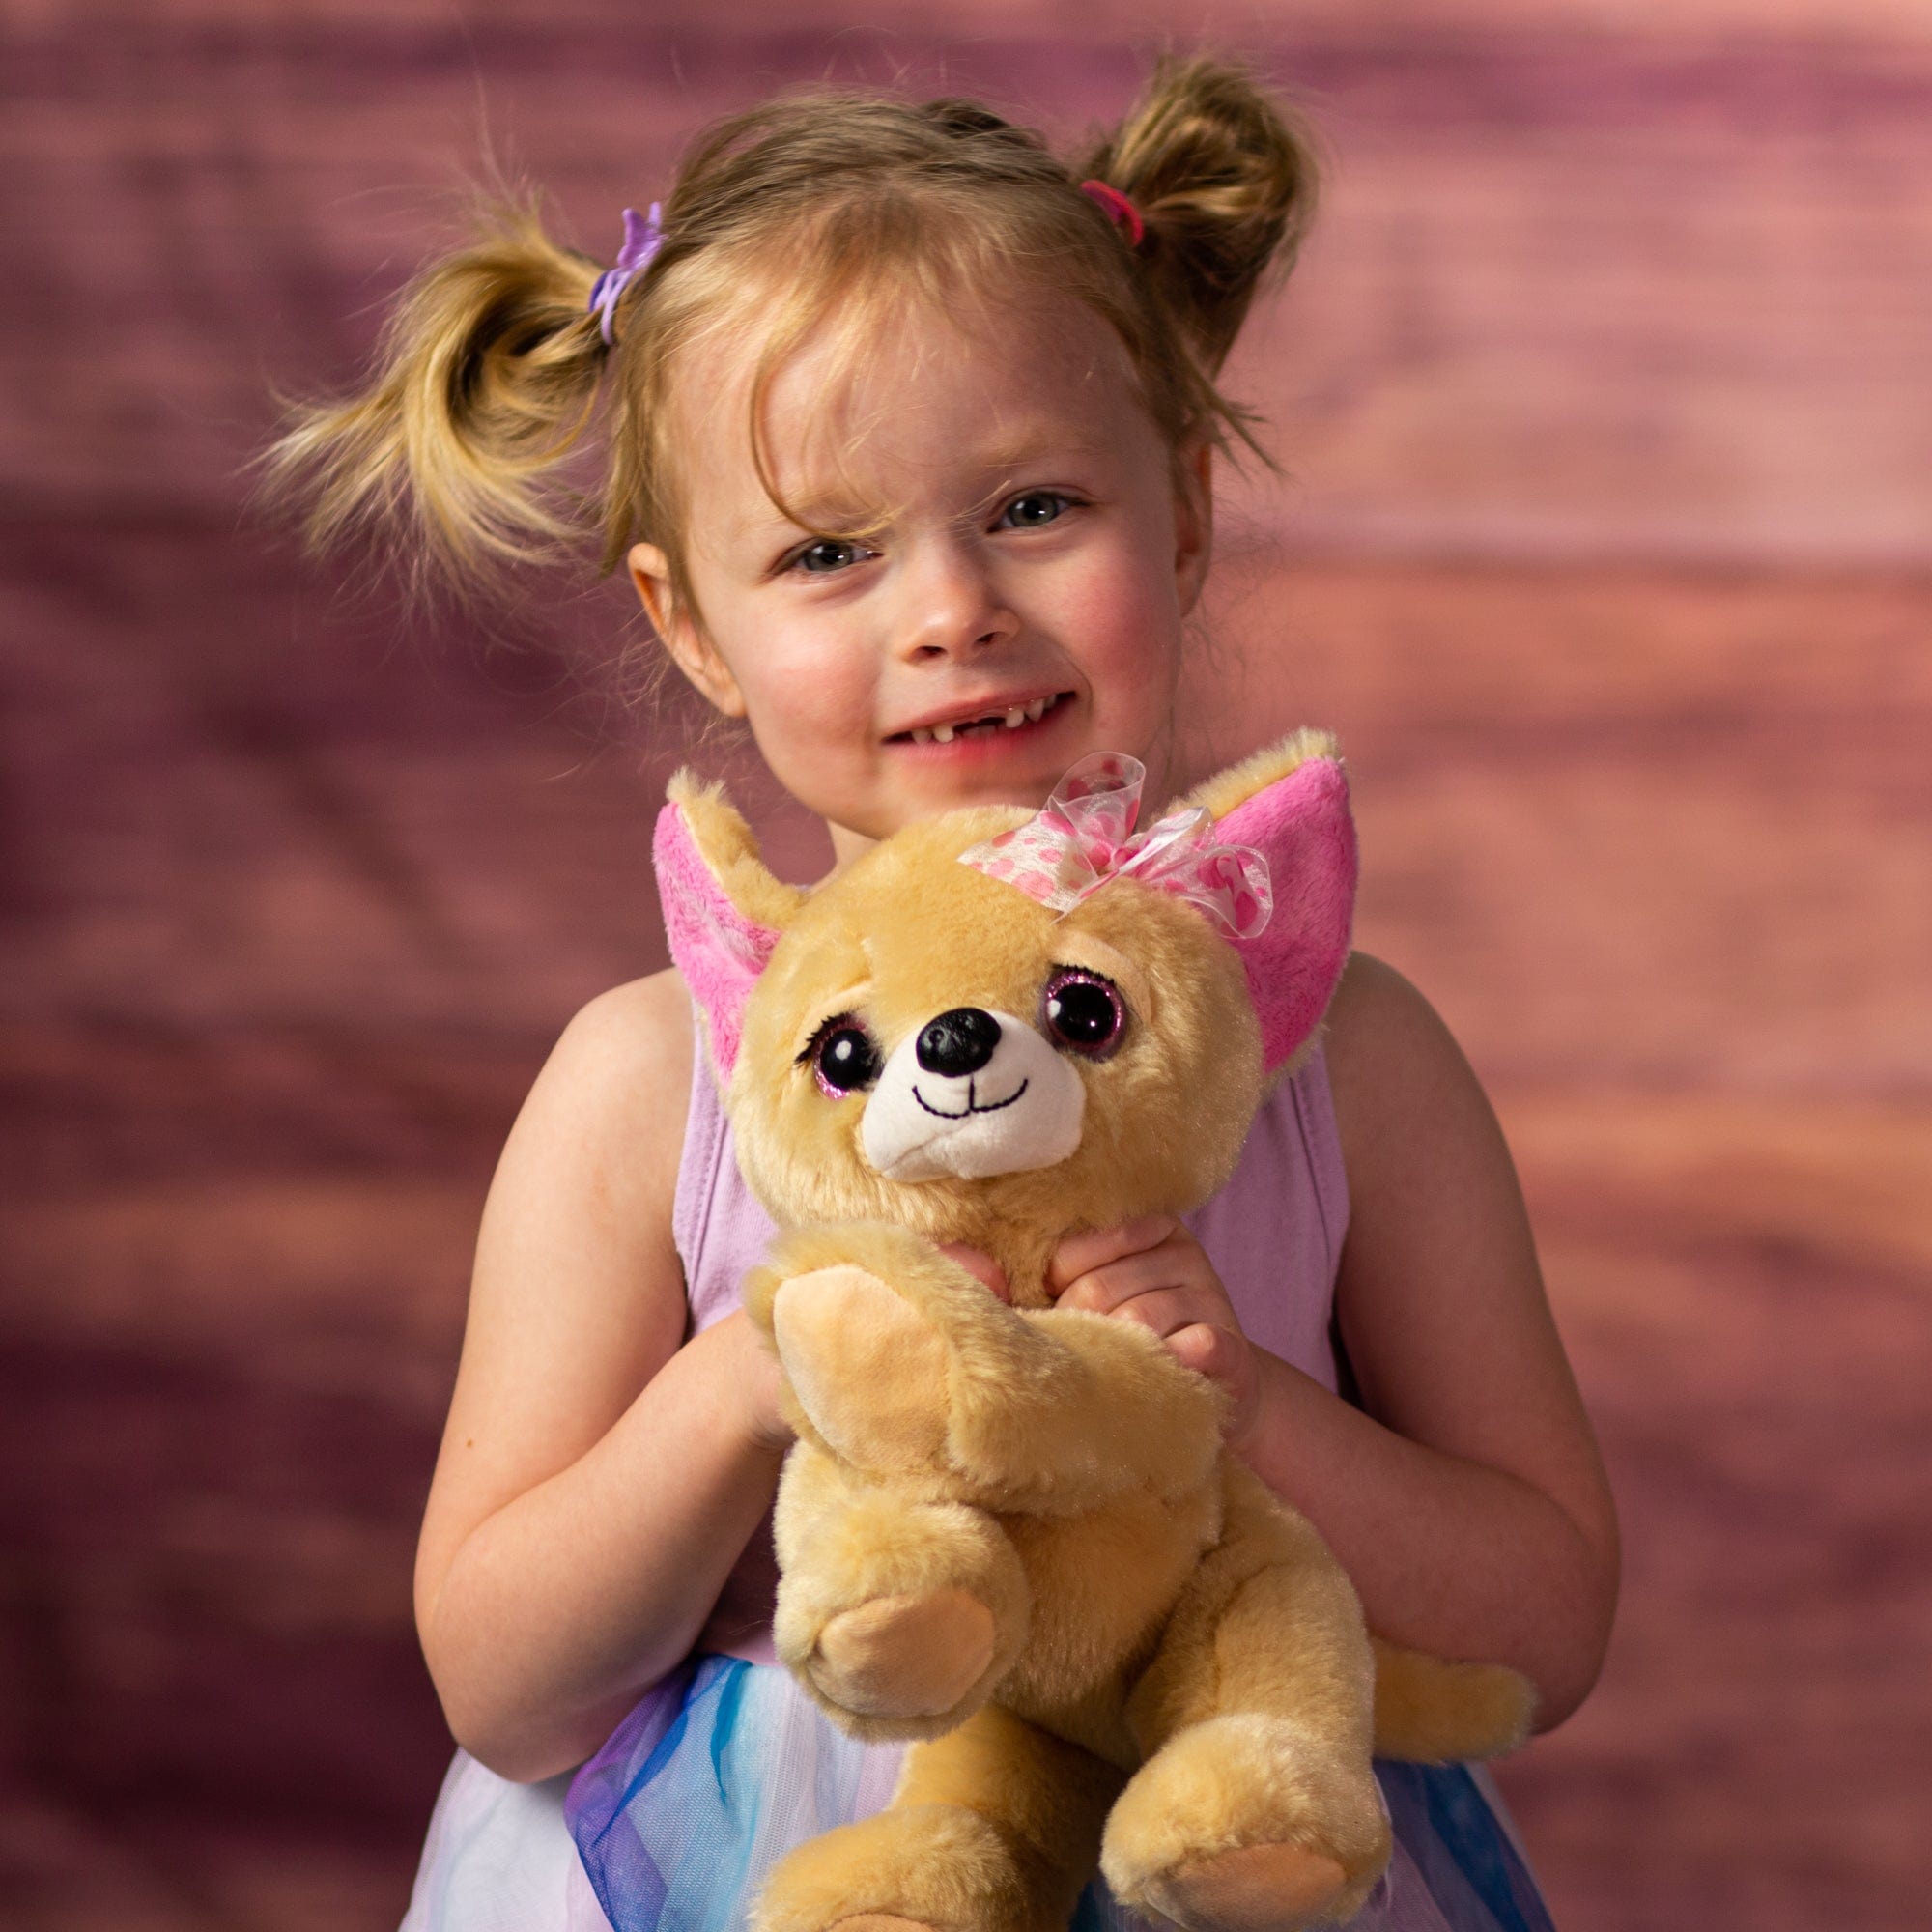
971,1107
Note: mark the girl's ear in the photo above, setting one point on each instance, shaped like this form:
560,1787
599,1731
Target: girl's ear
1193,523
679,630
723,911
1290,803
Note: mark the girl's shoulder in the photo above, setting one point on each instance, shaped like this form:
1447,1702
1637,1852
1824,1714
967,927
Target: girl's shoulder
637,1037
1399,1079
1429,1171
627,1052
605,1116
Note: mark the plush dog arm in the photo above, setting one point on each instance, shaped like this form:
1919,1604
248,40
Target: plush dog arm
899,1362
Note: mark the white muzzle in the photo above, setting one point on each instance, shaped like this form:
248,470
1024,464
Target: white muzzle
972,1092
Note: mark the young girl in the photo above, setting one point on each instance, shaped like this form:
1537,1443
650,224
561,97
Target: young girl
909,430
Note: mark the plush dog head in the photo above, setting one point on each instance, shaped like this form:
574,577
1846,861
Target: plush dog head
919,1042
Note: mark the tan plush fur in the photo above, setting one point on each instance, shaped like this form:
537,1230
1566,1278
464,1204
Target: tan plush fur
1011,1532
1226,789
731,851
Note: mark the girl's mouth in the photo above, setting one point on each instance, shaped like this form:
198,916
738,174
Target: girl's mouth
996,723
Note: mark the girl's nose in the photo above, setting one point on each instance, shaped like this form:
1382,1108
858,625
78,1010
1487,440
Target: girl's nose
954,608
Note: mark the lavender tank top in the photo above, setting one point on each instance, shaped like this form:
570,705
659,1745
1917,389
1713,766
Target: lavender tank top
1275,1234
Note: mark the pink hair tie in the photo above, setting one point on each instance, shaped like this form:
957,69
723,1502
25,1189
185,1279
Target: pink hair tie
1118,209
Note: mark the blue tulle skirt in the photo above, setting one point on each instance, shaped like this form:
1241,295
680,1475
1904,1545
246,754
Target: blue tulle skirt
725,1766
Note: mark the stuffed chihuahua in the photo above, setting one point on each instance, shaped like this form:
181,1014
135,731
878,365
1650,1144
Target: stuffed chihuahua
1011,1530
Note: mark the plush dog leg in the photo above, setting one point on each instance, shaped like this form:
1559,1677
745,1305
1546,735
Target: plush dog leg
898,1617
994,1829
1257,1810
1431,1710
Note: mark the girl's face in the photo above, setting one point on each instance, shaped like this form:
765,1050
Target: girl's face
1015,594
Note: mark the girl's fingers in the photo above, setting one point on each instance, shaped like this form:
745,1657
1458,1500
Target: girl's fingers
981,1266
1225,1360
1175,1264
1166,1311
1102,1290
1208,1351
1082,1254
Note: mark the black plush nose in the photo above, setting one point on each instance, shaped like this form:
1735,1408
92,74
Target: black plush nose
958,1042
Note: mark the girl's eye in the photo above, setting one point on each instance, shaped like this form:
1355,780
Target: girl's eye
843,1057
1035,509
1084,1011
827,555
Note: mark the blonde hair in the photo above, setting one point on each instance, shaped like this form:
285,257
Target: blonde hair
831,204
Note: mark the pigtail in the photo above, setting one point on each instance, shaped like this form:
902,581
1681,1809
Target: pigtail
827,210
484,382
1224,178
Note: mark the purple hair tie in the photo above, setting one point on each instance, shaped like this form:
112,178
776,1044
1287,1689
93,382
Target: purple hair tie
643,237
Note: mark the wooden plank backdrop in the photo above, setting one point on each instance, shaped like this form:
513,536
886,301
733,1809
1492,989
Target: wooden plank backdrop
1605,543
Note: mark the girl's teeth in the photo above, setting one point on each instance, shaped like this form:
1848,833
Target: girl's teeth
1010,720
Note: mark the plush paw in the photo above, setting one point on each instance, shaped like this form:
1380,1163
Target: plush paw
868,1368
905,1656
907,1869
1251,1889
1246,1823
898,1617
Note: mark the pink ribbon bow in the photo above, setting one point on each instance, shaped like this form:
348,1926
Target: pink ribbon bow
1084,835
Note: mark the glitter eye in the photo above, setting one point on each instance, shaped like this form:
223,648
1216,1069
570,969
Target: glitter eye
1084,1011
843,1057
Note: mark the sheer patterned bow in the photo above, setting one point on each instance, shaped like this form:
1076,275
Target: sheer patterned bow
1084,835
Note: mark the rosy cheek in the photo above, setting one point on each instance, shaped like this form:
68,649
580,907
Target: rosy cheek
807,682
1126,616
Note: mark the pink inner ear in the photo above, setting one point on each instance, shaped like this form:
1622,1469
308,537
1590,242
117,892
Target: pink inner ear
1301,825
718,950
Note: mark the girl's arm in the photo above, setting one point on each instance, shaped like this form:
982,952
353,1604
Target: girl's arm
1465,1498
597,1481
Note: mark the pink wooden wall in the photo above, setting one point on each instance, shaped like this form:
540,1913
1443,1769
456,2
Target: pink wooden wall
1607,548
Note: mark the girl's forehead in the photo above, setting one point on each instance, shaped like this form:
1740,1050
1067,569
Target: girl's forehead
853,411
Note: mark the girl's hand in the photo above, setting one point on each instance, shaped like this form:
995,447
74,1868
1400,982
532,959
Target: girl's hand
983,1267
1155,1272
755,1379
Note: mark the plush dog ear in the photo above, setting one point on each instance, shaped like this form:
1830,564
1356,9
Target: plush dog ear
723,910
1290,803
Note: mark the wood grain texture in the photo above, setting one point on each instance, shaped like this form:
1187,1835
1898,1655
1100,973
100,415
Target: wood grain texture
1607,410
1573,293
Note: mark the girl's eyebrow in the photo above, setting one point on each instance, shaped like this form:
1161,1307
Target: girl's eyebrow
771,528
1038,442
996,466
